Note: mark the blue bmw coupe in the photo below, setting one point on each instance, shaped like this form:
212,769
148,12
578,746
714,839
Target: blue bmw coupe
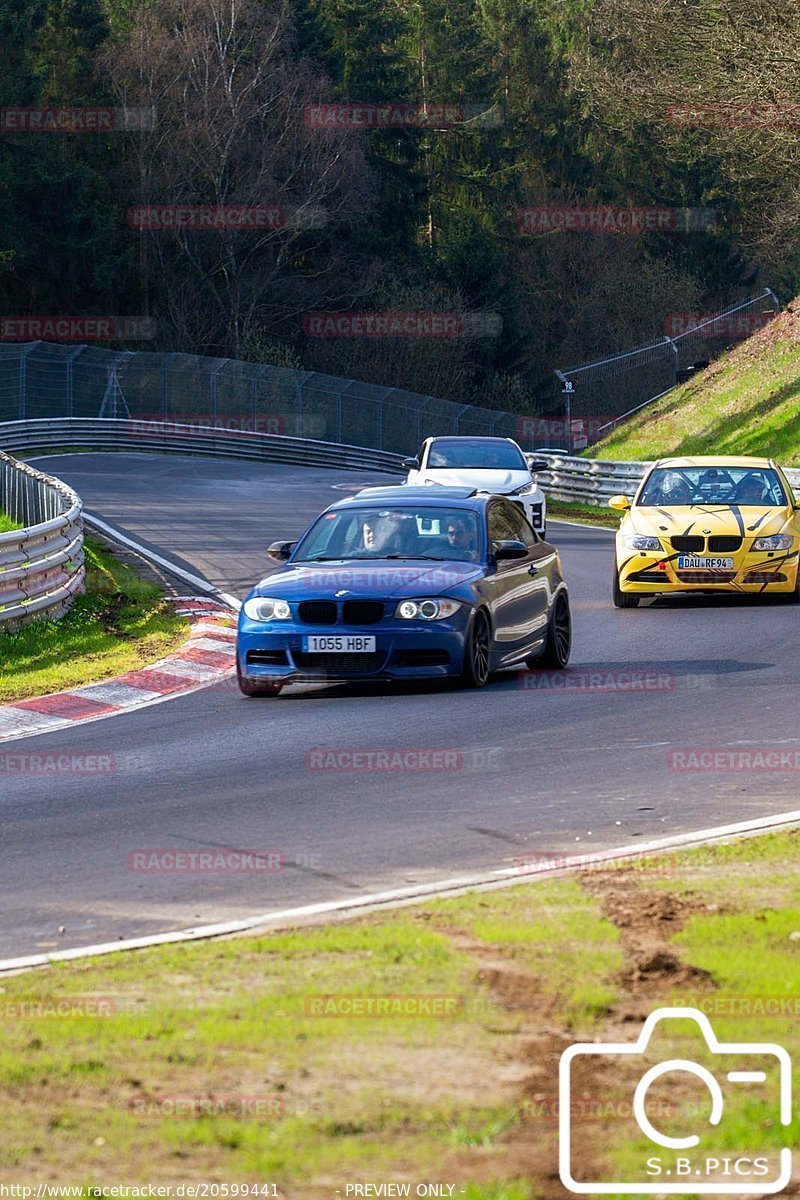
406,583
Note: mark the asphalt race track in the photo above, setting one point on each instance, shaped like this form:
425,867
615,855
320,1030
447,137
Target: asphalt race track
541,769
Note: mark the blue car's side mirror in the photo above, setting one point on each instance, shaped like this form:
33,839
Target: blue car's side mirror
281,550
509,549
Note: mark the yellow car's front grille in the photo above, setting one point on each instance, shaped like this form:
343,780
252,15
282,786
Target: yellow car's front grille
692,544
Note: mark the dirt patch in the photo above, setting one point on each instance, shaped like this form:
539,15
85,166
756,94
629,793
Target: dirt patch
646,921
533,1044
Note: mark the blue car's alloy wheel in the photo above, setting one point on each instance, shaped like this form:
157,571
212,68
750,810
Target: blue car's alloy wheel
559,637
476,653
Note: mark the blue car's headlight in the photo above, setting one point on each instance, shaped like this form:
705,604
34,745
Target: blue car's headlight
426,609
778,541
264,608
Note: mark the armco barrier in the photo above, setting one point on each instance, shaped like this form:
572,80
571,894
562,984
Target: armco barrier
41,565
97,433
586,480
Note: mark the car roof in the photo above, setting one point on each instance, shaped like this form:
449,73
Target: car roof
715,460
400,494
467,437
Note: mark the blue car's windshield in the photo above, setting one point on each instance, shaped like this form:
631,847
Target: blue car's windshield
407,532
668,487
480,454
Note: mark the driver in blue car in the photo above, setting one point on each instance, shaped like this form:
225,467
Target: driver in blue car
461,538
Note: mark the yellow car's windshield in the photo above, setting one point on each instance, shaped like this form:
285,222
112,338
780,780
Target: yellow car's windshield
668,487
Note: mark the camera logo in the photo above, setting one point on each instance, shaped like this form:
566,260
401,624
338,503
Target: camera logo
688,1160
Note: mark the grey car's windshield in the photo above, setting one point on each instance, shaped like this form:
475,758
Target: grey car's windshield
668,487
407,532
477,454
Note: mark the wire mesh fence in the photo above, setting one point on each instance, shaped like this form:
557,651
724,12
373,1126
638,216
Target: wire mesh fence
598,395
48,380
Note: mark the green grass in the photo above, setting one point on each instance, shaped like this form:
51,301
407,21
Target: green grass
748,402
747,901
584,514
393,1098
362,1098
122,622
7,525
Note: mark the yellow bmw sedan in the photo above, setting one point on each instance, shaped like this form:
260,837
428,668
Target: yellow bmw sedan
708,525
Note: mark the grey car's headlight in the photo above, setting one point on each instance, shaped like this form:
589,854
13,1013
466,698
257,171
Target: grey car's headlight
778,541
637,542
265,608
426,609
525,490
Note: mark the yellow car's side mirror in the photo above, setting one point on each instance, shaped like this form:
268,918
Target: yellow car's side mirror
620,502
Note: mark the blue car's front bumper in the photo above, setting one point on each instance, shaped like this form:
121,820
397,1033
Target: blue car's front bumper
277,650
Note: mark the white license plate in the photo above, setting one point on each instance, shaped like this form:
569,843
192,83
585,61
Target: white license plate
339,644
693,562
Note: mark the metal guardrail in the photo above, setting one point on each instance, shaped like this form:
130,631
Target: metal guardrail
175,438
594,481
41,565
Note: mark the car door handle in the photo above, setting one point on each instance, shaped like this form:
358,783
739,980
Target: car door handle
533,568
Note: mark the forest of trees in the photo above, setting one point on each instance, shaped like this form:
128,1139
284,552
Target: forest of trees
567,102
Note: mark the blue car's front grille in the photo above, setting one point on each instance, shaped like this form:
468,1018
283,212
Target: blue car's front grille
362,612
318,612
353,612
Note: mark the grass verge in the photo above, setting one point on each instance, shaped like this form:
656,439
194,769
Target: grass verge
239,1061
122,622
7,525
747,402
583,514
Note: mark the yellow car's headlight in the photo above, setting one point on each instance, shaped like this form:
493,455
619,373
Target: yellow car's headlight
639,542
778,541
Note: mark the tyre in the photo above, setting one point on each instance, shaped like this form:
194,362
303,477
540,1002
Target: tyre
475,672
558,642
622,599
267,687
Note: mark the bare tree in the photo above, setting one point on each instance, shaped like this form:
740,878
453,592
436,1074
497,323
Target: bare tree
230,96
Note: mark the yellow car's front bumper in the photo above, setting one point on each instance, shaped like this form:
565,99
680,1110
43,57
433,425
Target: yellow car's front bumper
645,573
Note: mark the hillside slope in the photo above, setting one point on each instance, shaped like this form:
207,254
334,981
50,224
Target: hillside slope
747,402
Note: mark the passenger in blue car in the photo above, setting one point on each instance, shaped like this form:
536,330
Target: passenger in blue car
382,535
